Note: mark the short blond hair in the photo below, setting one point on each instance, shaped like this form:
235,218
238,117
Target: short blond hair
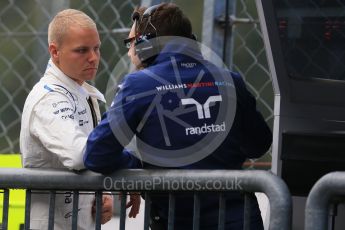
65,19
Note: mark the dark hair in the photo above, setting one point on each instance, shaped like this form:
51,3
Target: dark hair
167,20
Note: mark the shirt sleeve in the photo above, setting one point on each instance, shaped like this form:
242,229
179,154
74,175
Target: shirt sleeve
54,124
105,150
256,136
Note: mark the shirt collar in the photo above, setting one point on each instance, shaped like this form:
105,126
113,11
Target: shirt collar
93,92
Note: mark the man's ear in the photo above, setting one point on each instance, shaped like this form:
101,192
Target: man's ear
54,53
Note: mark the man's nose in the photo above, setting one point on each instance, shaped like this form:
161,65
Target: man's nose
93,56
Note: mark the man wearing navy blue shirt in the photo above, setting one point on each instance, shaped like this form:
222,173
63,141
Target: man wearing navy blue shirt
184,112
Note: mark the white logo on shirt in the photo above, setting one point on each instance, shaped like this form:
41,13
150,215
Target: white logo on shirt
203,110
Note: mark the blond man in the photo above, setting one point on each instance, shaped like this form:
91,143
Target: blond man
60,112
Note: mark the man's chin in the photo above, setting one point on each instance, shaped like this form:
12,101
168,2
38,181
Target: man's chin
139,66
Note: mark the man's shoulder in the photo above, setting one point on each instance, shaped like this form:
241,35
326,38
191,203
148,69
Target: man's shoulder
142,79
137,74
43,88
46,92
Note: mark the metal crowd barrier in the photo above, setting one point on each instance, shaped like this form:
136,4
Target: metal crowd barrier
154,180
323,193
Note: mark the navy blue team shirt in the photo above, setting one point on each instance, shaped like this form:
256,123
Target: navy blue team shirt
153,96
